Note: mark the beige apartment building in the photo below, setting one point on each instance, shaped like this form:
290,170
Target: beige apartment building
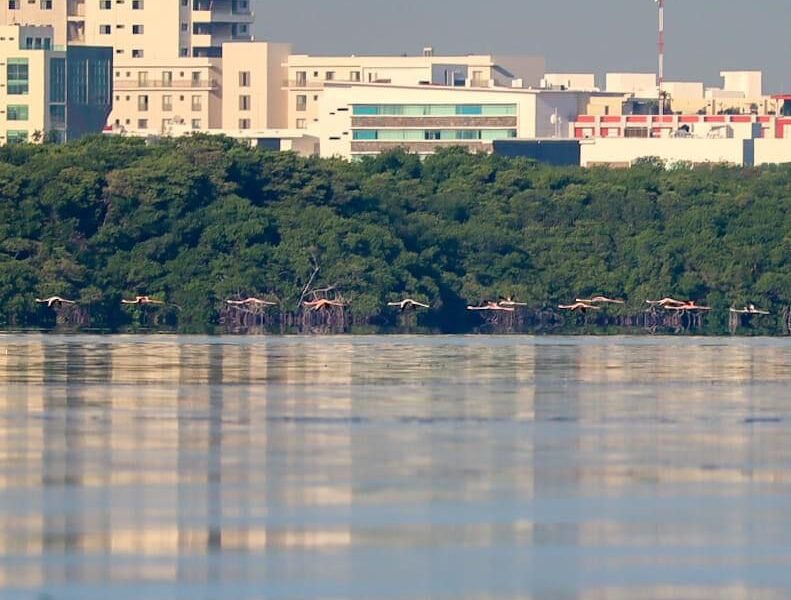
169,65
139,29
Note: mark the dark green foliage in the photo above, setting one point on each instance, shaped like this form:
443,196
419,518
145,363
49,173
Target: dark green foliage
201,219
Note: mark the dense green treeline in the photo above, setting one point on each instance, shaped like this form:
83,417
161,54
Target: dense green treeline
201,219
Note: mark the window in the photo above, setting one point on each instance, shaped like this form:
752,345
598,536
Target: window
167,103
137,29
142,103
244,123
17,112
166,123
431,134
18,76
240,7
137,4
16,136
635,132
142,78
302,78
197,103
137,53
57,80
46,4
302,124
329,76
142,123
105,4
13,4
167,78
354,76
365,134
244,102
302,102
57,114
244,78
105,29
196,123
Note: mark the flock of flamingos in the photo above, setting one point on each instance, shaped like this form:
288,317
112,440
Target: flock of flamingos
582,305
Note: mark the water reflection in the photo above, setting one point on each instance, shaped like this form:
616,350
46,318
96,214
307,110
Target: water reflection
394,468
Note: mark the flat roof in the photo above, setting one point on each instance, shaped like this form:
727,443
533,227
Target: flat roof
499,89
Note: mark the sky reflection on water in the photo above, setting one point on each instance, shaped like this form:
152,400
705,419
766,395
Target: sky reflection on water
394,467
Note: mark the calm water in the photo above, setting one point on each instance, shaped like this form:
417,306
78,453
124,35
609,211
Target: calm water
394,468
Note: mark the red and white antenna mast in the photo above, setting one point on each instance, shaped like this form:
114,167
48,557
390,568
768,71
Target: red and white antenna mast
661,78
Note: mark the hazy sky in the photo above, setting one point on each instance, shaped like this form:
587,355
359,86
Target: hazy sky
704,37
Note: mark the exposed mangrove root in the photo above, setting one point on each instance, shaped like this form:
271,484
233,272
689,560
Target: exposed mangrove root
241,318
72,315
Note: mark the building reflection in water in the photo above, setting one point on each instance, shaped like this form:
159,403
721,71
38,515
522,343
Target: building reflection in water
442,467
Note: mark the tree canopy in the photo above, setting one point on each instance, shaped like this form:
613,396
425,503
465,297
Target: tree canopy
201,219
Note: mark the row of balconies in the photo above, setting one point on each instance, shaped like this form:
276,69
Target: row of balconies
134,84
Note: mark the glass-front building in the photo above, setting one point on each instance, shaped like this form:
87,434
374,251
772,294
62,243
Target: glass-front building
424,127
89,90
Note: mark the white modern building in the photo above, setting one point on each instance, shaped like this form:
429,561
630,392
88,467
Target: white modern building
358,119
307,76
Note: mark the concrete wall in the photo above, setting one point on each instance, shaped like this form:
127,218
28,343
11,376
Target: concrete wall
748,83
684,89
570,81
268,99
772,151
639,84
624,151
530,69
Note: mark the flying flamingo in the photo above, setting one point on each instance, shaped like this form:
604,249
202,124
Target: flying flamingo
323,304
750,309
510,302
54,301
143,300
600,300
578,306
250,301
407,304
688,306
493,306
665,302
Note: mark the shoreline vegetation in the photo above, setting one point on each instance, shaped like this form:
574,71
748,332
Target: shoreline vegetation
194,222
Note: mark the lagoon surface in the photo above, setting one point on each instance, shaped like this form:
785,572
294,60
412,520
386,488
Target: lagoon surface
166,467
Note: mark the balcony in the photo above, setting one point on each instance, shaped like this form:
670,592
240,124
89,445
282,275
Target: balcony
215,11
157,84
303,84
75,9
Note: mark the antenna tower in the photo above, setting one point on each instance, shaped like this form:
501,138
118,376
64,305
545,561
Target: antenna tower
661,79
